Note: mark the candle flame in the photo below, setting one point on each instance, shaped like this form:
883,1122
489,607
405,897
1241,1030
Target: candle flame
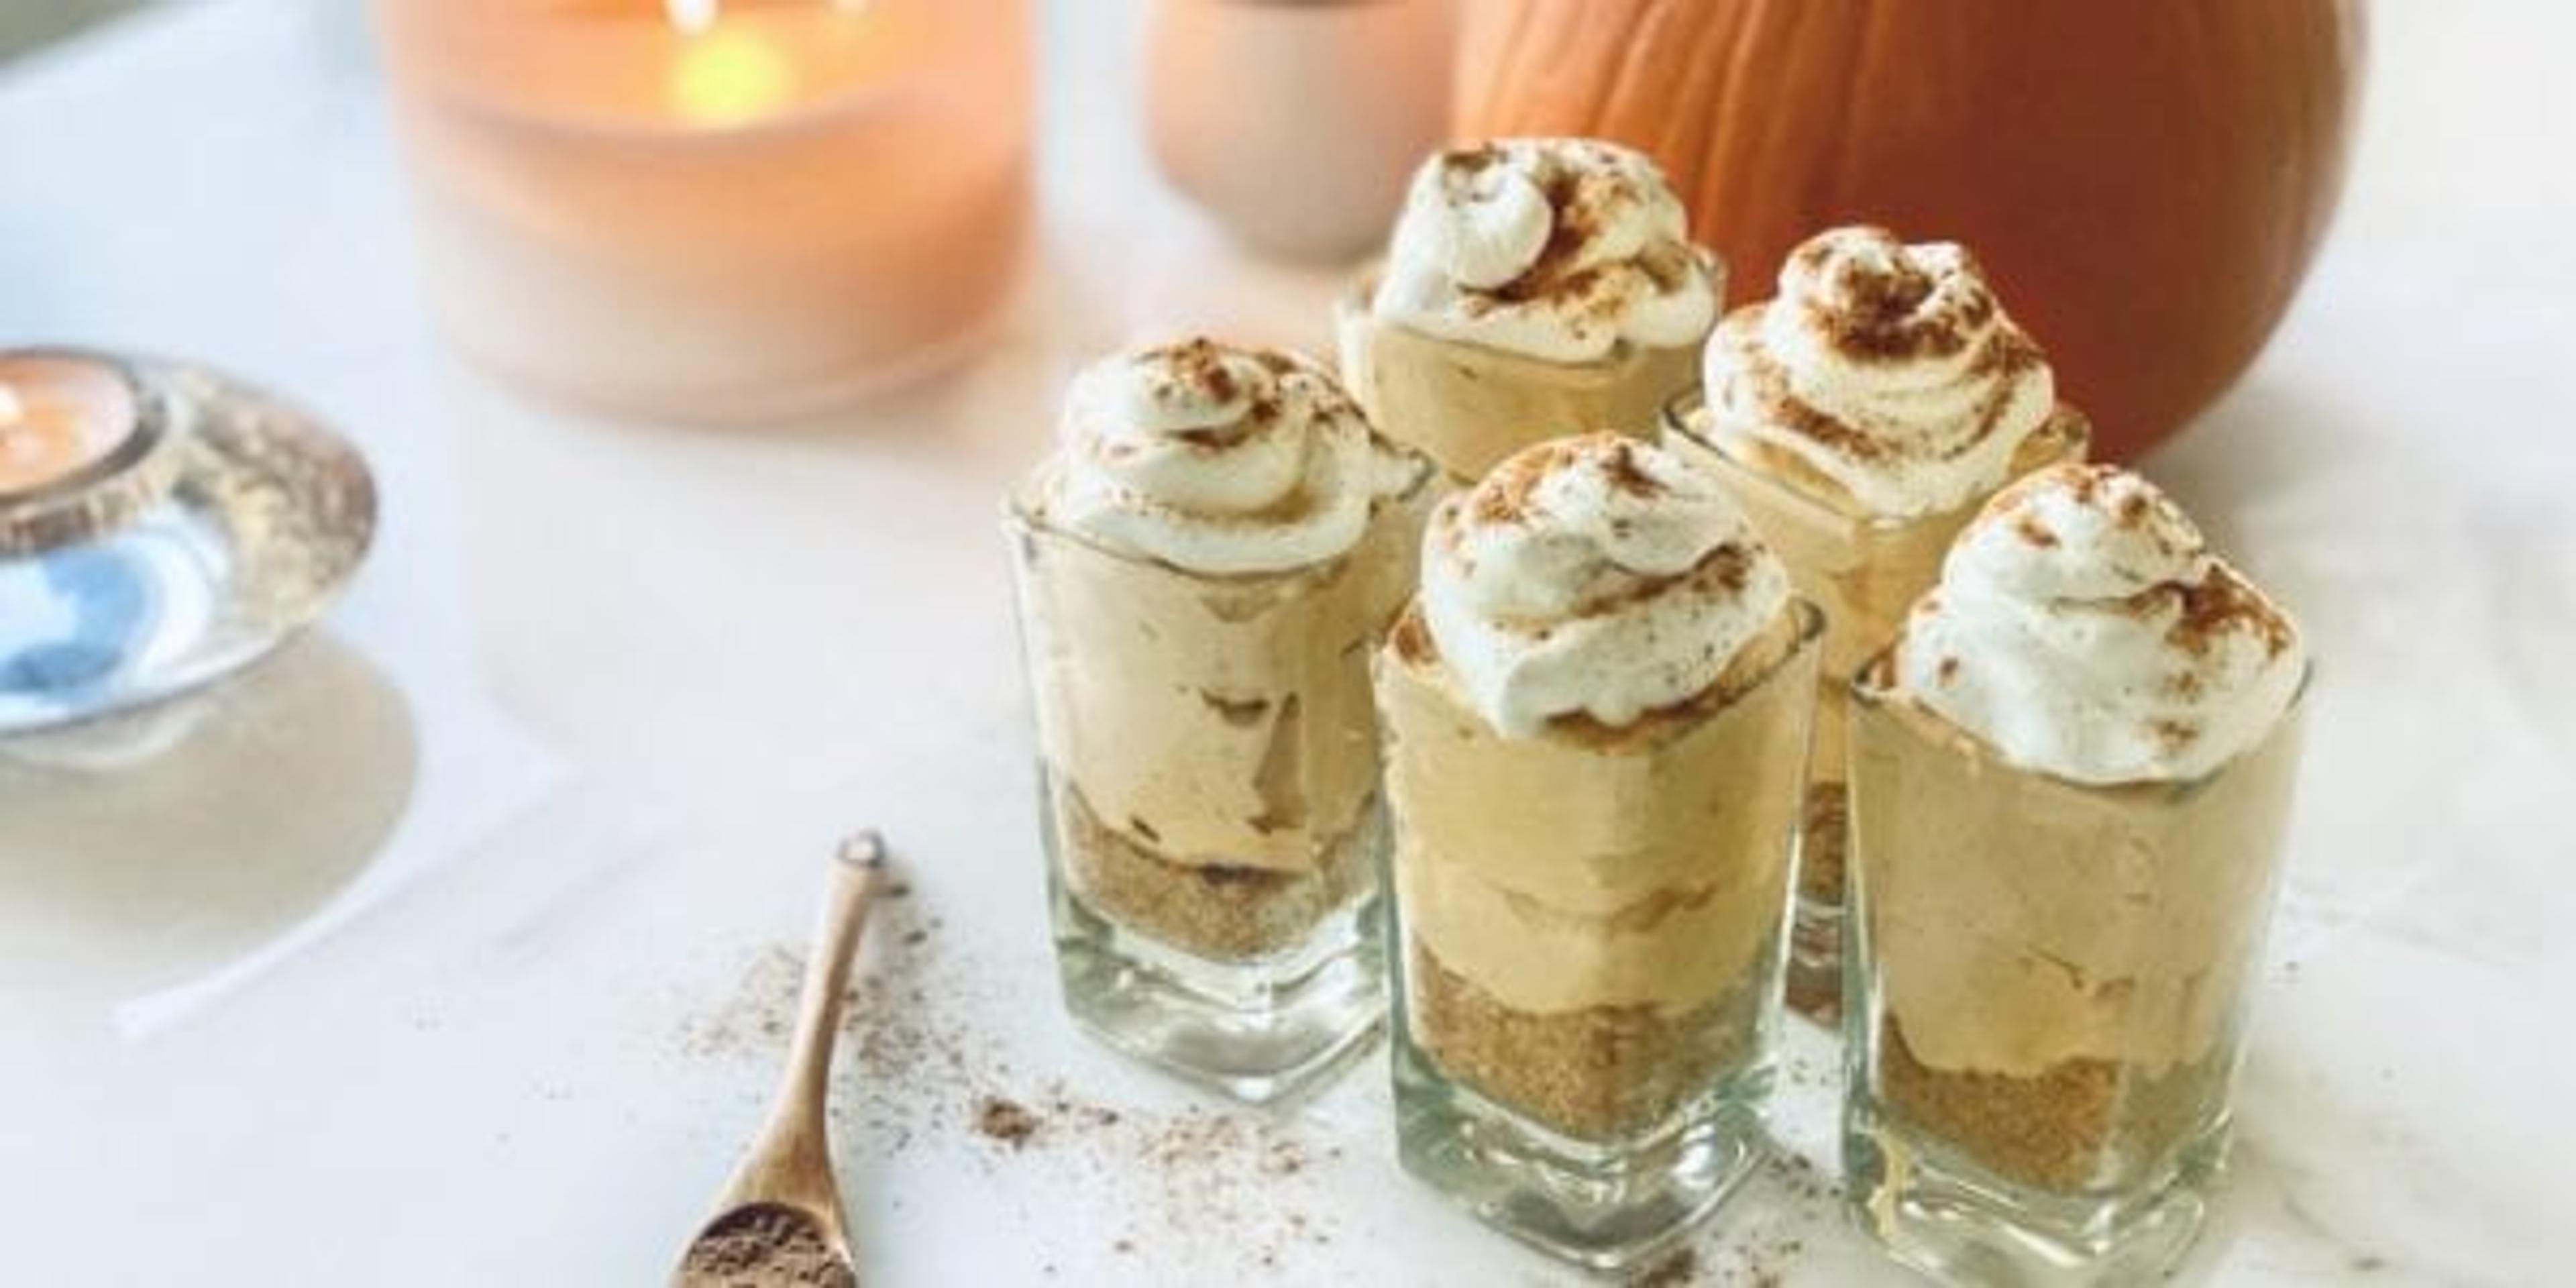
729,77
11,410
692,17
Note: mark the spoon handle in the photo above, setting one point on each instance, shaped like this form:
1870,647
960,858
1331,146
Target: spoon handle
792,1153
858,874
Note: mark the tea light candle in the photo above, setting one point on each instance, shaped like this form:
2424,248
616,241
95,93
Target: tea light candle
713,210
59,416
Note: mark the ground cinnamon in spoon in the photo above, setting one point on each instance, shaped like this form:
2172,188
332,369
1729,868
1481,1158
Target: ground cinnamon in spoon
764,1245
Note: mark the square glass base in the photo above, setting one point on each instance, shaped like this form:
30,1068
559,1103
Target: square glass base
1259,1031
1953,1220
1608,1207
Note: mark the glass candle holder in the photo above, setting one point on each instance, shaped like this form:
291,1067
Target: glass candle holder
161,526
1865,573
1589,925
1297,125
1208,770
2049,993
715,212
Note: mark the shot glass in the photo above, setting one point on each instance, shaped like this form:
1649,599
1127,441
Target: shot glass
2049,987
1589,925
1208,775
1467,406
1865,573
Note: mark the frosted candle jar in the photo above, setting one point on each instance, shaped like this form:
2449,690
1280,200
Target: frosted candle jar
715,213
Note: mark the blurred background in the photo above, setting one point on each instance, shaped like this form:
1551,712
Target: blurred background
611,833
26,24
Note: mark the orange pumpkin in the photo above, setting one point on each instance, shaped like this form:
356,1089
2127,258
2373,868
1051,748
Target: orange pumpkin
2144,179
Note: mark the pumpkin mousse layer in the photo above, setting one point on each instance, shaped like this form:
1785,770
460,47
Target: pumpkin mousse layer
1861,416
2083,634
1594,721
1533,287
1205,566
2070,784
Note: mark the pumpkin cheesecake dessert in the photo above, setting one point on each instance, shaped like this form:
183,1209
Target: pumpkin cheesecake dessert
1204,570
1861,416
1532,288
1595,717
2070,778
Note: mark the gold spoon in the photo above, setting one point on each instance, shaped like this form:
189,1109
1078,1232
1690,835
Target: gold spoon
779,1223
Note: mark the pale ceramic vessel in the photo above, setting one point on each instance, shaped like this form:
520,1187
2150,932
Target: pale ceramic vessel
1295,123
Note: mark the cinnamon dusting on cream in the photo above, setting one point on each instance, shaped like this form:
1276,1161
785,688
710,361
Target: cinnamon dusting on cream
2084,629
1595,576
1889,370
1558,249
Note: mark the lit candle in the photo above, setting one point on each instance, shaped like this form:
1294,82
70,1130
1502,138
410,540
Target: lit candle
716,210
730,78
58,416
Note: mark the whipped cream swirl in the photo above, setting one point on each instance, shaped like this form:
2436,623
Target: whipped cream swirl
1220,460
1596,576
1888,368
1553,248
2083,628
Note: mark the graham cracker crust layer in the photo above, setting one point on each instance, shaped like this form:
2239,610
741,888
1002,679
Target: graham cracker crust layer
1824,834
2082,1123
1220,912
1602,1073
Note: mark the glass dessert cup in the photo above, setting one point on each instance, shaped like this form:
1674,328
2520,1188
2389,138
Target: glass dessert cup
1467,406
1589,928
2049,984
1865,572
1209,798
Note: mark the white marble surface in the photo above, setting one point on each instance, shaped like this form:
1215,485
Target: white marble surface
414,961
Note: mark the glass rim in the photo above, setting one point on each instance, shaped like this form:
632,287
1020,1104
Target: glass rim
1018,519
1685,413
1877,696
1360,292
1353,302
105,494
1353,309
1811,628
1812,625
